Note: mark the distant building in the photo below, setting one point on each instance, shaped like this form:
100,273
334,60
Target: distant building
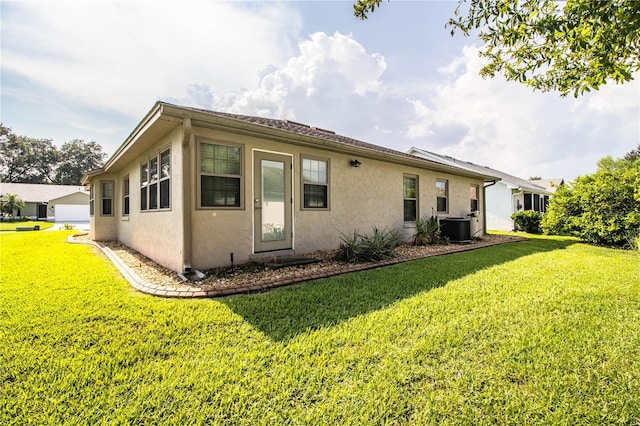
508,195
59,203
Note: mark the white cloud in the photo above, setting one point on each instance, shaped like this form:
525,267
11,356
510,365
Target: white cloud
102,64
328,70
507,126
125,55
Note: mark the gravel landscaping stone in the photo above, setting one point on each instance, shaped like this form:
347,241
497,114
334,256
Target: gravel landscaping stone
262,276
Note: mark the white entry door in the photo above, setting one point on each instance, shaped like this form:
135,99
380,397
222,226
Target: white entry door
272,202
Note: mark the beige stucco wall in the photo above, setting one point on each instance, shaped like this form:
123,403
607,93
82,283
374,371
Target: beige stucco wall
156,234
360,198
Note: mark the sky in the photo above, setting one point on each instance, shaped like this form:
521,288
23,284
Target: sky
91,70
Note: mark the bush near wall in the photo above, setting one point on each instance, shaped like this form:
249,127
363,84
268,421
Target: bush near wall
528,221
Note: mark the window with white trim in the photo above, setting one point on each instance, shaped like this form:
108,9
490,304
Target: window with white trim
144,185
473,196
442,196
315,184
106,192
220,175
125,196
155,182
91,200
165,179
410,197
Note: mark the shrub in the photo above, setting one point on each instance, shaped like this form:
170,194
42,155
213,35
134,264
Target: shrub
602,208
380,245
427,231
528,221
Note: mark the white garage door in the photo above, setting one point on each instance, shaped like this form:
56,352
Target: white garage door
72,213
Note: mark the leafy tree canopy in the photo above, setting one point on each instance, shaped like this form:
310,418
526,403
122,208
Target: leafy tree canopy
28,160
602,208
572,47
24,159
76,158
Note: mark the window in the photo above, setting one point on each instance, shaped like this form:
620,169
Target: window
125,196
91,200
528,204
315,184
442,194
144,183
155,182
473,195
165,179
536,202
410,195
220,175
107,198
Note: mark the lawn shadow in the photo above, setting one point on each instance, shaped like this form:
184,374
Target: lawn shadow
284,313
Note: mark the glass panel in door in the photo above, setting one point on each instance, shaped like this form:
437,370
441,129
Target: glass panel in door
273,200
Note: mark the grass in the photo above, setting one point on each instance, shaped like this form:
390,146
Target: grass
539,332
11,226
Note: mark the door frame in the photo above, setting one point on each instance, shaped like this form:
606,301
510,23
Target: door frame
256,241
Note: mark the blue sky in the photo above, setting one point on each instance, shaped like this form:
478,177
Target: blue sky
92,69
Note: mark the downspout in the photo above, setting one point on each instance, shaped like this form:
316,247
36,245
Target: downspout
484,204
186,195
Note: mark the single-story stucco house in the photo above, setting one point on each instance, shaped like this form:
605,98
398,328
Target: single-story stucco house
197,189
508,195
59,203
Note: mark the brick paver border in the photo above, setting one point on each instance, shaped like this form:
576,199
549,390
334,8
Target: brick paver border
188,291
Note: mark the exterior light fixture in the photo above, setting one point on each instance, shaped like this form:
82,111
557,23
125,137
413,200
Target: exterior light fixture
355,163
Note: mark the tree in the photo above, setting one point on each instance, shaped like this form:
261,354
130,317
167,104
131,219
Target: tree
602,208
10,204
29,160
571,49
75,158
24,159
632,155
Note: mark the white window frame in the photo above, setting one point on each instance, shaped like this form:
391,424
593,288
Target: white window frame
92,201
103,198
405,198
476,198
126,196
311,182
446,195
240,176
153,183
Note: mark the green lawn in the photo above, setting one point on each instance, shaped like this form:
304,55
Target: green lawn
11,226
540,332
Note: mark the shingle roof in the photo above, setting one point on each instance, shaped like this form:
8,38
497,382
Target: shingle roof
301,129
35,193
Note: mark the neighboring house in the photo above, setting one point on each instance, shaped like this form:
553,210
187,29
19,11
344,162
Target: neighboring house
59,203
549,184
509,195
197,189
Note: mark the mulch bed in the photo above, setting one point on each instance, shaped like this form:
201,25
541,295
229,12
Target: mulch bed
242,275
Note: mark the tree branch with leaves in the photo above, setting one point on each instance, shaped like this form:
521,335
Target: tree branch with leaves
572,47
